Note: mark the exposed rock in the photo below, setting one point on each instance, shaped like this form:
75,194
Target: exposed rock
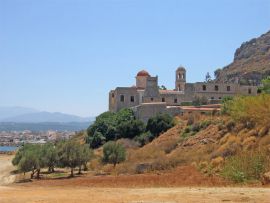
251,62
266,178
217,162
263,131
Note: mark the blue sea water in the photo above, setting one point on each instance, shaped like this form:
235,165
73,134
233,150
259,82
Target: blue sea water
7,148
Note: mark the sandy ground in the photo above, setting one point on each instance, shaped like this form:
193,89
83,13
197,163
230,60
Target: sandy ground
118,190
5,169
134,195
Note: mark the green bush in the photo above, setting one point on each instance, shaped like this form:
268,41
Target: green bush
244,167
96,140
111,126
144,138
130,129
114,153
159,124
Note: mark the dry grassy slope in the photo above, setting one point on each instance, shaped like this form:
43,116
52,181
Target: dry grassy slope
214,141
251,57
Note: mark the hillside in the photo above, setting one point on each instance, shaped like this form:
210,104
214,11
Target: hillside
251,62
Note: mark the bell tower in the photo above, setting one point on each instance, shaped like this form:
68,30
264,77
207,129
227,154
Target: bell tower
180,80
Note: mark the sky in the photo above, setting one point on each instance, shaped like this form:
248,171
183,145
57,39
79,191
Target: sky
65,55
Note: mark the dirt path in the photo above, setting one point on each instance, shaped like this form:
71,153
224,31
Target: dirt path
21,194
5,169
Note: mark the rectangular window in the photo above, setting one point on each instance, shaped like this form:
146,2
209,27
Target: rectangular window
152,99
112,95
163,99
228,88
212,98
132,99
175,101
122,98
216,87
204,87
249,90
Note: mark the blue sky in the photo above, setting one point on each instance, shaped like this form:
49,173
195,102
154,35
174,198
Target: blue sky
65,55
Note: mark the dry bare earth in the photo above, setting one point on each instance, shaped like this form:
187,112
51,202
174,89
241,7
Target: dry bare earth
5,169
146,188
138,195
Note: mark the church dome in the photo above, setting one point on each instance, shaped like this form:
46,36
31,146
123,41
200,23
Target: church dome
143,73
181,68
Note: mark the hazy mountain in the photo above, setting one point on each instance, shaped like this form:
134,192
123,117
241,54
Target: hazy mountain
29,115
7,112
251,62
40,117
11,126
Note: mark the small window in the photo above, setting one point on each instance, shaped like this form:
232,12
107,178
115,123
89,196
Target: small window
212,98
228,88
249,90
152,99
204,87
132,98
175,101
216,87
112,95
219,98
122,98
163,99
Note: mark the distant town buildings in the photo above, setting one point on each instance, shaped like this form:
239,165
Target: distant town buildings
17,138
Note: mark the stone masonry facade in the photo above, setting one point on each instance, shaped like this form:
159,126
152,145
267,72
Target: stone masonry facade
146,99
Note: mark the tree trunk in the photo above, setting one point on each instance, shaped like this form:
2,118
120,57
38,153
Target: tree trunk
71,173
38,172
85,168
32,174
80,170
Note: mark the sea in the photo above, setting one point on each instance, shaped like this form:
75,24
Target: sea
7,148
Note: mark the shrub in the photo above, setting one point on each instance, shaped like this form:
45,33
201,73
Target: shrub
111,126
159,124
251,109
96,140
245,166
230,125
113,153
130,129
144,138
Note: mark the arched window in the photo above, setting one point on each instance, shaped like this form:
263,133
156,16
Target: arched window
122,98
204,87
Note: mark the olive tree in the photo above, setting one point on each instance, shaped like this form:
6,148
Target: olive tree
114,153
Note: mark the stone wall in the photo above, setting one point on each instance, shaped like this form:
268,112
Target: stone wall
126,93
148,110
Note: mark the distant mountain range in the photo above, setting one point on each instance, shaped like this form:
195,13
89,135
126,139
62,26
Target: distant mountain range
28,115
